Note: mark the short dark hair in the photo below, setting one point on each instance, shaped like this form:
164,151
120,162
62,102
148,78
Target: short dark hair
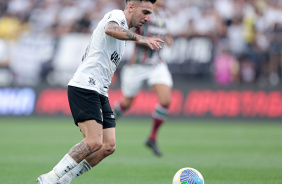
152,1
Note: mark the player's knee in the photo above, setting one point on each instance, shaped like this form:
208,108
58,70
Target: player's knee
94,145
166,103
125,105
110,149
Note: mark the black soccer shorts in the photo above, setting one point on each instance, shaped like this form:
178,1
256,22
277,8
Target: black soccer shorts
90,105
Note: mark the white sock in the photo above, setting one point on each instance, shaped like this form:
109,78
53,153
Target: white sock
81,168
65,165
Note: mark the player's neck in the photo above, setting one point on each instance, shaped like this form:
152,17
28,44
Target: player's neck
128,19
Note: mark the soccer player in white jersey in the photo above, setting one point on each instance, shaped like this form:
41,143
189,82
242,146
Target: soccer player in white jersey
147,65
88,90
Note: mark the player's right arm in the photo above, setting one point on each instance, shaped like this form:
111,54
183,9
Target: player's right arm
114,30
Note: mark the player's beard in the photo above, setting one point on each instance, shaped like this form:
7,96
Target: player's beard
140,24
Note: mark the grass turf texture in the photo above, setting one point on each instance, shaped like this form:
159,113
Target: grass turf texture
236,152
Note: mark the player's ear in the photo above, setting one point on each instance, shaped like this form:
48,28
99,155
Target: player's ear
131,7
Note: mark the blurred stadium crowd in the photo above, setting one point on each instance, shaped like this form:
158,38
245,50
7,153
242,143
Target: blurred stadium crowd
246,34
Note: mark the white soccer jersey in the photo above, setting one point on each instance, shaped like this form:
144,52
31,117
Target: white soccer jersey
101,57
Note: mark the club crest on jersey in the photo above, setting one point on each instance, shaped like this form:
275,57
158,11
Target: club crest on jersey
91,81
123,22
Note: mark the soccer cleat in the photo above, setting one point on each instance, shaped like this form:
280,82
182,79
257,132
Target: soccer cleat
44,179
153,146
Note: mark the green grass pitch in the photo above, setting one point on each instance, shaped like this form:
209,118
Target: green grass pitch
225,152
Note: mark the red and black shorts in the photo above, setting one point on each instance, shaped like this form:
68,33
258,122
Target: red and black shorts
90,105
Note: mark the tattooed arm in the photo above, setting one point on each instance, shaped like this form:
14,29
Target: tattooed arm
114,30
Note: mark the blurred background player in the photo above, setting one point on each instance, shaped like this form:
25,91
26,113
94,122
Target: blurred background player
147,65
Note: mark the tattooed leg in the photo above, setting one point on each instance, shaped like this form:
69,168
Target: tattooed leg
80,151
92,142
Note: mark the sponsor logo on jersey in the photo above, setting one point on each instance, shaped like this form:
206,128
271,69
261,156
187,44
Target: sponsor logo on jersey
115,58
91,81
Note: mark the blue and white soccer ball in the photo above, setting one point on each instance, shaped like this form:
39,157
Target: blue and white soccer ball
188,175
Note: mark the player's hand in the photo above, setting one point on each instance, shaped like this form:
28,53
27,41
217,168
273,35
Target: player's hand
153,43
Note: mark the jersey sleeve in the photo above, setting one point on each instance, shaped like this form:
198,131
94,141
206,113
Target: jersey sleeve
118,17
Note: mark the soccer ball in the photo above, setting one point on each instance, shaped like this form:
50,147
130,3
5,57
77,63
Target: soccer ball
188,175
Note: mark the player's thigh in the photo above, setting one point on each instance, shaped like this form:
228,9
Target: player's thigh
132,79
91,130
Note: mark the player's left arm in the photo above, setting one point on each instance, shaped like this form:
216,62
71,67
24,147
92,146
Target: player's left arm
114,30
